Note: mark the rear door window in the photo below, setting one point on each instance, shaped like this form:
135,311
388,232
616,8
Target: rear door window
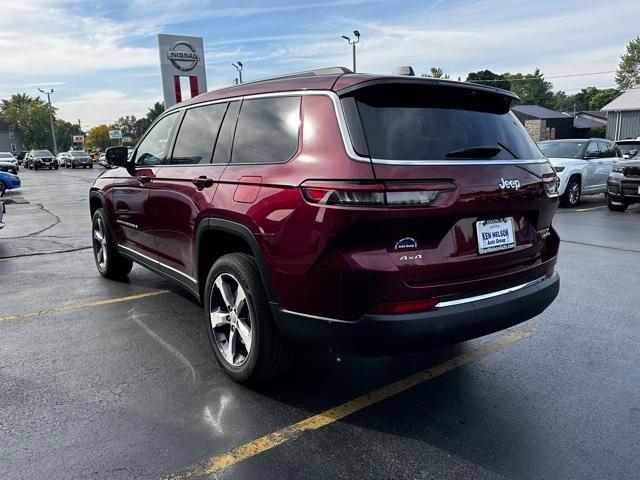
197,135
606,149
427,122
267,130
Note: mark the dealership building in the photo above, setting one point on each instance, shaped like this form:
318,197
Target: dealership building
9,140
623,116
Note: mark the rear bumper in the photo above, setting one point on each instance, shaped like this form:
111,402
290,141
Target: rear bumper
383,334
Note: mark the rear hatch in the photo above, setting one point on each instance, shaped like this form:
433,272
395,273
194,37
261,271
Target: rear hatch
471,196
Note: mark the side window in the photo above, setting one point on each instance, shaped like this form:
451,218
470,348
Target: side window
197,135
153,149
225,137
267,130
604,149
592,150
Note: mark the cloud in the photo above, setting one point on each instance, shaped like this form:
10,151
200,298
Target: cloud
48,38
104,106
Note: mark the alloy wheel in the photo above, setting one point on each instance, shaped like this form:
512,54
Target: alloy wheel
100,244
574,193
231,320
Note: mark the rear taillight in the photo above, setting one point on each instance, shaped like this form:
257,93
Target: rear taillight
384,194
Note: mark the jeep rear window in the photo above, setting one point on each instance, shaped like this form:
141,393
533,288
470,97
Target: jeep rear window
426,122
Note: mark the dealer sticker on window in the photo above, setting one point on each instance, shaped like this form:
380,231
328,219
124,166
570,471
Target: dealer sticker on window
495,234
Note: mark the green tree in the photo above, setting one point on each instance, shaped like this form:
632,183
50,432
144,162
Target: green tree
98,137
28,116
64,134
603,96
154,112
487,77
436,72
628,74
590,98
127,125
532,88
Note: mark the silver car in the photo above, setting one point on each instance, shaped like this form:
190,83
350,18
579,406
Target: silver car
77,159
8,163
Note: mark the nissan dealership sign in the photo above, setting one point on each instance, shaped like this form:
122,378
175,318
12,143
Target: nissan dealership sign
181,57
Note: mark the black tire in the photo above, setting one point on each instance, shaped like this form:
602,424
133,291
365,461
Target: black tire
91,166
115,266
616,208
55,167
269,354
571,196
3,189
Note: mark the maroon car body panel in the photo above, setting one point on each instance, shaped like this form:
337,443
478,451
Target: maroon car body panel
332,261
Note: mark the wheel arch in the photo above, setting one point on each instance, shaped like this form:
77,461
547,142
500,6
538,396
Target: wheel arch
216,237
96,201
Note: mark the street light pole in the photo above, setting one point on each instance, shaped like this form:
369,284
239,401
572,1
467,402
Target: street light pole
239,69
353,46
53,131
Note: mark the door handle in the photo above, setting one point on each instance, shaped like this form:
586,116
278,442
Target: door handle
144,179
202,182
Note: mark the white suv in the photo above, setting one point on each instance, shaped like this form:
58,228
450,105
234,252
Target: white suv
583,166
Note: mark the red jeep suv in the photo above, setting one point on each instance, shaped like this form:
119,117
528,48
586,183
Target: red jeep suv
362,214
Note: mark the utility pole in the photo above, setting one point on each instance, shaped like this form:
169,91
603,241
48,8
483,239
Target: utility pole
353,46
53,131
238,66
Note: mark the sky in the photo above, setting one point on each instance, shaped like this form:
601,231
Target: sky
101,57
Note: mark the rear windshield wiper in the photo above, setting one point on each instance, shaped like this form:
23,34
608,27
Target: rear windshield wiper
481,151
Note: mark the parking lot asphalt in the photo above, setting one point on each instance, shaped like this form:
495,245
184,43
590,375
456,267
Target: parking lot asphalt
103,379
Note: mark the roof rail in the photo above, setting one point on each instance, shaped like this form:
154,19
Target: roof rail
307,73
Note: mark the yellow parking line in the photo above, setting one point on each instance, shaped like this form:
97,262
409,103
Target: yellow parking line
590,208
215,464
77,306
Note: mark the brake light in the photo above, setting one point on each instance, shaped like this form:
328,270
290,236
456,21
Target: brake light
405,307
374,194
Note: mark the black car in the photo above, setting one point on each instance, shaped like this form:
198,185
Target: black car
36,159
20,157
623,185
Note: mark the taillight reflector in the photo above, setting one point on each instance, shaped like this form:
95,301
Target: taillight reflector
405,307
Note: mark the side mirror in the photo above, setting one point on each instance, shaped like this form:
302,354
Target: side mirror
633,153
116,156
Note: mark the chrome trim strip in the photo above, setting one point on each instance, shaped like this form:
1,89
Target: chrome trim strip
314,317
521,161
154,261
346,138
462,301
